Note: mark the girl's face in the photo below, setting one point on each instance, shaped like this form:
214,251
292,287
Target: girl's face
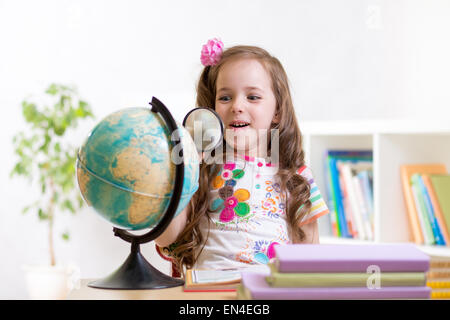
246,104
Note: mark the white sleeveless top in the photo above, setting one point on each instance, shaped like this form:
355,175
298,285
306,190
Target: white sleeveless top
249,218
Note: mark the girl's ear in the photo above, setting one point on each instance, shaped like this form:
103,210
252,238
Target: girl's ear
276,118
275,122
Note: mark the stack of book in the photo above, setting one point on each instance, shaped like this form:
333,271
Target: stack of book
301,271
349,190
438,277
426,190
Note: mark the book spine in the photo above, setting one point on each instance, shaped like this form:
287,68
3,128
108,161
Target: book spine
438,274
351,225
441,186
422,292
338,198
413,215
363,207
423,210
347,279
426,229
356,215
351,265
352,154
439,264
438,238
439,284
437,209
440,294
330,202
368,195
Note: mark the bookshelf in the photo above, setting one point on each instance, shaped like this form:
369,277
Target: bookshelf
394,142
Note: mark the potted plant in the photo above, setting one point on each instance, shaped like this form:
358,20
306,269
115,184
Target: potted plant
45,156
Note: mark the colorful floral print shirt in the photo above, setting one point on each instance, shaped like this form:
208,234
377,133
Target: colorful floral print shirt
249,214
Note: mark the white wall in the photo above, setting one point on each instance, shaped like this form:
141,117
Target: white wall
347,59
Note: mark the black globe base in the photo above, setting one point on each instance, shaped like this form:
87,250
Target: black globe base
136,273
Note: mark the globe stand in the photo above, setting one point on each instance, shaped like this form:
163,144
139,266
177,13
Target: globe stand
136,272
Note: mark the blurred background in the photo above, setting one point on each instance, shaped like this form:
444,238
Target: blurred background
346,60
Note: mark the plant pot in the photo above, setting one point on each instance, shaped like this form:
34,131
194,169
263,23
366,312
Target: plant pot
50,282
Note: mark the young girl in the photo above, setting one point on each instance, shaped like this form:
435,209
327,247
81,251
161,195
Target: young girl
246,204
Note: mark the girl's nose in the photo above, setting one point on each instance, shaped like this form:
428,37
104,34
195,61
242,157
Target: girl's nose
237,106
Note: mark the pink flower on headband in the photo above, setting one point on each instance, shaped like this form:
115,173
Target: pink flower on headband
211,52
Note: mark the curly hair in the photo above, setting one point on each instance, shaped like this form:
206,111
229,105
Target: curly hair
294,187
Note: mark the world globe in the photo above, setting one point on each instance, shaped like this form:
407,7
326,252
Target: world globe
126,168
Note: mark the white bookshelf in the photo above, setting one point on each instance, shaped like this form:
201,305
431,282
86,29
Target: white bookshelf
393,143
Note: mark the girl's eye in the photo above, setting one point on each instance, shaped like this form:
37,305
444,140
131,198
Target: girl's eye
253,98
225,98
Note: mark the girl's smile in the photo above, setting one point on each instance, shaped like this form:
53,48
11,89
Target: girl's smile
238,125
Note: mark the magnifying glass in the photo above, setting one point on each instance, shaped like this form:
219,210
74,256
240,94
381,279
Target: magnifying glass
205,127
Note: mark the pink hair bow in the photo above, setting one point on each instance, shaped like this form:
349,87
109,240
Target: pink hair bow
211,52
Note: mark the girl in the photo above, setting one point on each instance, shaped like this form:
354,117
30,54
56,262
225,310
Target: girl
248,203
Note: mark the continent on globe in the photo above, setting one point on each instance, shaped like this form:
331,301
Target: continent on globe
126,168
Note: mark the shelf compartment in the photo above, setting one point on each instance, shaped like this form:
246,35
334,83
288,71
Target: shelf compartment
316,146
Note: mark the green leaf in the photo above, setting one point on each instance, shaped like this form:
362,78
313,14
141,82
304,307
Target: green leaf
80,201
82,110
42,215
52,89
55,196
26,209
22,168
83,105
68,185
45,144
67,204
59,129
66,236
29,111
57,147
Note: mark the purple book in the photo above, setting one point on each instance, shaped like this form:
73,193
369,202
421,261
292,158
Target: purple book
255,287
350,258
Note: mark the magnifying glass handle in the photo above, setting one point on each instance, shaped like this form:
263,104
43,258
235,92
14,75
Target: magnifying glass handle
201,155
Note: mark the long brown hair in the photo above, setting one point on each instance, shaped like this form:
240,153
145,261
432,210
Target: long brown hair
291,156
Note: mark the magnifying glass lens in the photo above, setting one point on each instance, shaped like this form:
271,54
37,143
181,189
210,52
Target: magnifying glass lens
205,127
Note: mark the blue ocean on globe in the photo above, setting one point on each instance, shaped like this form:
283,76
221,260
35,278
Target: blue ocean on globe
126,168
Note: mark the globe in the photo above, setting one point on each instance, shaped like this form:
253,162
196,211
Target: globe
126,168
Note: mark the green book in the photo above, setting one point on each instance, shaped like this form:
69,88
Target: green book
441,186
242,293
344,279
